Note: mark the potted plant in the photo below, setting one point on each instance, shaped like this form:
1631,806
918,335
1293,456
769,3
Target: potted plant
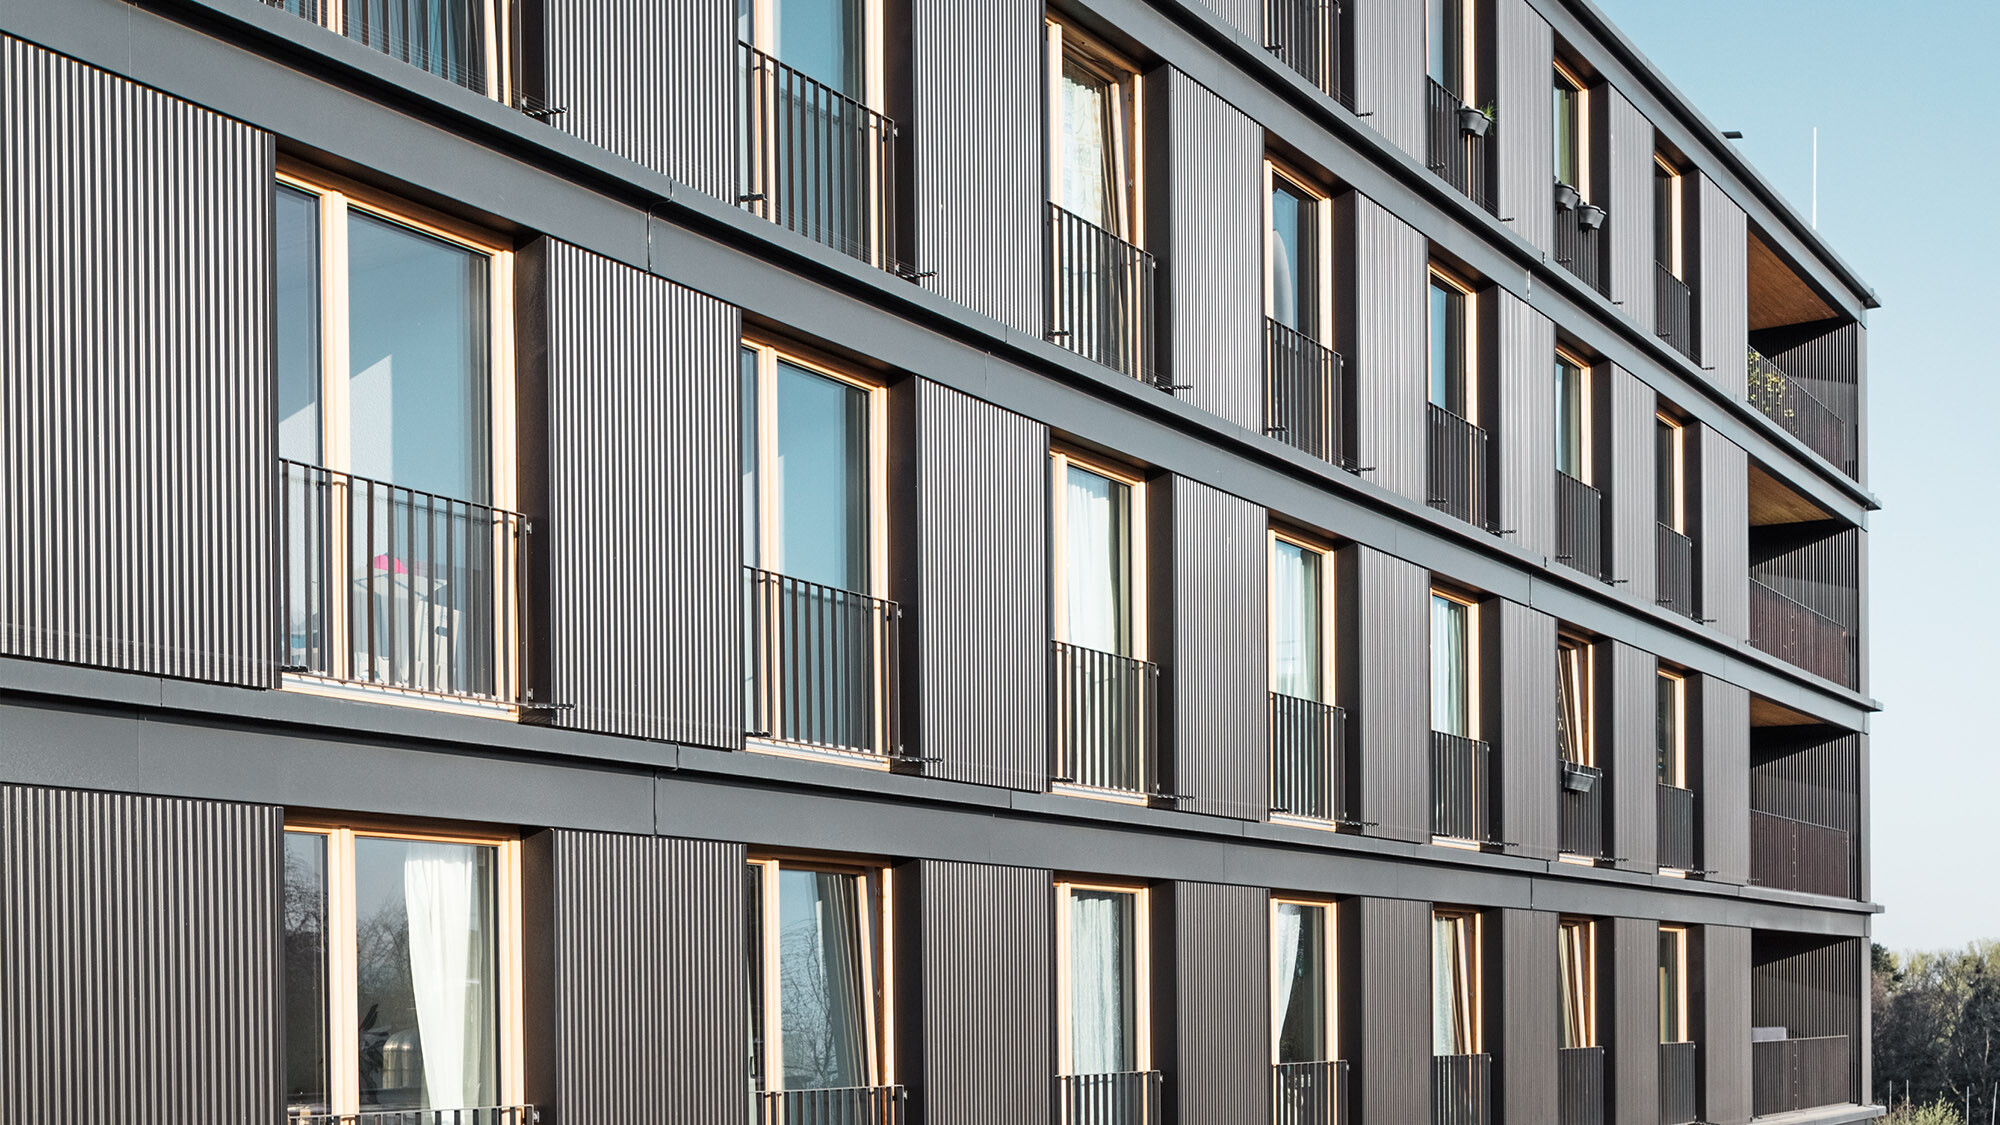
1475,121
1578,779
1590,216
1566,196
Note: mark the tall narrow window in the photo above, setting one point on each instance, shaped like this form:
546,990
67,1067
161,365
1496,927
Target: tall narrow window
1455,985
1103,980
1302,1011
1454,694
1671,748
1673,985
1570,126
1573,693
827,41
1098,580
816,974
1447,40
1667,237
1093,133
1572,419
1577,953
1451,347
1670,473
1298,612
1295,284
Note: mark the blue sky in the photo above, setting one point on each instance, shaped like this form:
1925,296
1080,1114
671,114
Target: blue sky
1907,164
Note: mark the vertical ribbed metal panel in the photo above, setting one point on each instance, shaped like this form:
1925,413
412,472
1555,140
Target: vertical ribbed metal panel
139,959
1722,756
1864,838
137,488
1816,564
651,80
1523,84
1220,1029
978,627
1725,533
1810,986
1388,367
1634,542
1724,294
977,191
1389,70
1246,16
1811,774
1216,672
981,1052
1719,994
1629,952
643,468
1631,206
1519,719
1385,620
1526,430
1634,771
1824,357
643,1016
1385,1007
1213,253
1530,1015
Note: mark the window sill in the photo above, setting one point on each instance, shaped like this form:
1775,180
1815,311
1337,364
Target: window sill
306,684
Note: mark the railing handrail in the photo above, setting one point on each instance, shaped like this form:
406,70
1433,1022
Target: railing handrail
1683,536
1759,359
1454,416
525,1114
1795,820
824,665
1574,482
1666,273
1793,603
1065,213
1072,646
819,589
372,482
791,72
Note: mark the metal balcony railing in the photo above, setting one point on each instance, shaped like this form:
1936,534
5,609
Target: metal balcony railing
1579,525
1461,1089
1791,1074
1676,823
1787,402
1460,469
823,665
1105,718
1305,394
1580,249
1307,36
1101,295
1581,813
1459,157
449,41
1580,1086
1461,788
1674,312
1308,758
1798,855
1675,576
479,1115
1680,1088
1309,1093
396,588
1129,1098
851,1105
1802,636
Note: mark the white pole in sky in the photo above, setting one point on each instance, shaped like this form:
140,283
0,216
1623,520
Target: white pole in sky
1815,189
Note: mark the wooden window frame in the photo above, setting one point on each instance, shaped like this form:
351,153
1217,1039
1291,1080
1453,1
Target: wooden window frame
1329,926
1472,642
1679,769
1060,461
1676,216
1273,537
1586,658
1473,936
1066,42
1468,335
1277,173
876,883
1585,982
1686,1019
1678,472
1142,970
1589,411
1568,76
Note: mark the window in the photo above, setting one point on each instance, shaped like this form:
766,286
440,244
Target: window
828,41
1670,473
1451,350
1576,941
463,41
1296,293
1454,689
1302,998
1667,237
1100,579
1673,985
1455,985
812,495
816,974
1572,123
1448,39
1093,133
1301,660
1572,418
402,968
1575,684
1101,954
1671,748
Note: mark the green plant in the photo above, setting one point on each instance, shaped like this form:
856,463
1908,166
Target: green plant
1936,1113
1489,109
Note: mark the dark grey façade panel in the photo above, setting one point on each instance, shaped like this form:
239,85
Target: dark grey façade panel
1214,1022
135,285
1525,431
1518,714
1720,750
1629,964
1634,508
976,612
1631,206
1383,679
1725,534
1385,1008
1719,996
1724,317
1813,774
637,385
1634,772
1388,364
1529,1016
1523,89
139,959
1389,70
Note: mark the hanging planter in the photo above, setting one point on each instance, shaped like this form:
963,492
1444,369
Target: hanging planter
1566,197
1474,121
1590,216
1578,779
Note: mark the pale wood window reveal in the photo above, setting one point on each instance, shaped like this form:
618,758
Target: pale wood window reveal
1572,130
1450,33
1456,986
818,965
1304,985
1577,954
1575,406
1670,472
1103,979
469,42
1095,145
1455,687
1298,222
1669,233
1671,753
1453,347
1576,689
1673,985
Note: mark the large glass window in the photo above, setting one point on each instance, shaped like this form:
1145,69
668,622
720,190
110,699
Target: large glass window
1452,688
1572,443
1097,548
825,40
1450,347
1298,649
1573,695
815,976
1671,746
1295,254
1667,217
1446,41
1092,132
1302,982
1673,985
1104,974
1455,983
1577,954
809,488
1569,127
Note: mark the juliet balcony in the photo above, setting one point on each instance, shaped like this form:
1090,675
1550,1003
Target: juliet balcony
1305,394
1104,718
822,666
1460,143
1462,791
1309,761
1101,297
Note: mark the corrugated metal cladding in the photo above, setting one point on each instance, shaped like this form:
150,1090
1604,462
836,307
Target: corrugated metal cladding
1825,357
643,1016
1631,224
1719,964
1629,964
1246,16
980,1052
1213,252
1810,774
1723,807
145,930
1526,431
652,81
643,468
1634,542
1525,50
1216,671
1809,986
978,626
1520,721
1635,813
1217,1028
1725,534
1385,1009
1386,616
977,191
1724,319
1391,260
136,498
1389,70
1524,1052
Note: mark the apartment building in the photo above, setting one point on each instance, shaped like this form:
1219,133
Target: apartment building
864,562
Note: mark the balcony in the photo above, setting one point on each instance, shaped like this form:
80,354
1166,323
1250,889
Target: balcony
1676,824
822,666
1309,1093
452,46
1674,312
478,1115
1461,1089
1305,394
1100,301
1461,788
1675,559
1680,1084
1105,720
1802,636
1130,1098
1797,855
1460,468
816,162
1580,248
1459,156
1308,36
1308,759
394,588
1580,811
1792,1074
1580,1086
854,1105
1579,526
1787,402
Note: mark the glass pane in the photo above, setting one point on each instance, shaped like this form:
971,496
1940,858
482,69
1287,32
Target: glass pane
1663,217
1568,100
1667,752
1450,667
425,940
1666,474
820,477
445,37
1097,561
1670,987
1572,946
1569,419
753,508
1294,261
1447,348
1451,980
822,39
1302,983
1087,171
1444,33
306,968
419,384
1102,965
753,960
823,1001
1570,704
1295,640
298,338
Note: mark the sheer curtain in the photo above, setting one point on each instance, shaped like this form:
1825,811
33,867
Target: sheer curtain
1451,985
1295,633
1100,991
1287,937
1094,559
441,891
1450,674
1086,113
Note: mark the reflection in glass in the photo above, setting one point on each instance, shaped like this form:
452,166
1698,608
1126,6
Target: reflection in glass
1666,473
753,959
1572,704
1088,174
1097,561
1673,1021
1102,971
1569,419
822,39
1572,952
1568,118
1295,636
306,969
445,37
823,1001
1447,349
298,326
1667,752
1294,254
1302,983
821,488
1444,31
1451,985
1451,671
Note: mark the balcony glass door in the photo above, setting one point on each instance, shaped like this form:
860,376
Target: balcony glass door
825,40
1673,985
1570,421
1451,667
1445,41
1454,985
806,483
1575,954
1293,258
1568,130
1296,646
1300,936
1097,561
1104,1029
1450,351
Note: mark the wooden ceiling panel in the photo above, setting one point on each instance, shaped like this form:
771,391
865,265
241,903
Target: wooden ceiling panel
1777,295
1764,713
1772,502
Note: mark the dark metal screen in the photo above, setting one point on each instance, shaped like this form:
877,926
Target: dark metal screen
1105,714
852,1105
1798,855
1461,1089
1460,468
1305,394
479,1115
1461,788
1788,403
1460,158
1676,820
1580,250
1579,525
1580,1086
823,665
1674,312
1101,295
1310,37
1676,571
1802,636
1581,813
1309,1093
1308,758
1789,1074
1680,1088
1129,1098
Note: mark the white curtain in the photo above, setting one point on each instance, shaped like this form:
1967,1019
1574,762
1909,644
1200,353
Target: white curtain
1290,920
1100,997
1094,560
1295,634
441,892
1451,985
1450,673
1086,108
